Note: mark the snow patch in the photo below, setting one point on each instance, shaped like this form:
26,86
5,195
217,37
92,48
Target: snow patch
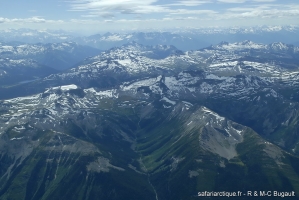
206,110
168,100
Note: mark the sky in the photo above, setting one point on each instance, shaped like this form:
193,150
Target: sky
90,16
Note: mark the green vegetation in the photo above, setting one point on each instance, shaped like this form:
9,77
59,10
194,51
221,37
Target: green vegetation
120,153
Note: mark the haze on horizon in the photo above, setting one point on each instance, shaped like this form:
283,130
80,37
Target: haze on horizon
90,16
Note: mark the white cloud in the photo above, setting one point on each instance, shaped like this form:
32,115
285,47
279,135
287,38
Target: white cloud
135,14
190,3
271,11
32,20
192,12
28,20
90,16
3,20
232,1
111,7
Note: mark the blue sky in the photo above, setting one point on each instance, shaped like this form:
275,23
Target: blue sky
116,15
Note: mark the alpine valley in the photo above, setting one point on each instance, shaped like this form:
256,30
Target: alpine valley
148,121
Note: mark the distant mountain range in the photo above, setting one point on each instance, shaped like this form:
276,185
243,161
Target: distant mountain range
186,39
154,122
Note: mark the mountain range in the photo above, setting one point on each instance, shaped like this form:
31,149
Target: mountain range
59,56
155,122
27,62
184,39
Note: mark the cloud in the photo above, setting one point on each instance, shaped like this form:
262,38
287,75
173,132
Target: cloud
190,3
90,16
106,15
3,20
232,1
264,1
271,11
104,7
34,20
28,20
166,12
193,12
113,9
